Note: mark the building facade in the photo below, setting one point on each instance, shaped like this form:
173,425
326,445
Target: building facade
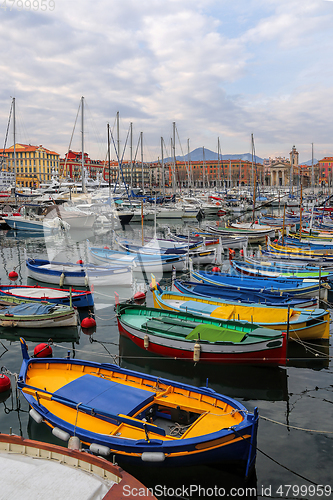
33,165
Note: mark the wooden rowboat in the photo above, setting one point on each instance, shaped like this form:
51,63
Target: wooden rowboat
28,314
57,472
302,324
139,418
196,338
77,298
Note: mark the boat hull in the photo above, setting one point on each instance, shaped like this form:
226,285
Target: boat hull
70,394
69,274
260,355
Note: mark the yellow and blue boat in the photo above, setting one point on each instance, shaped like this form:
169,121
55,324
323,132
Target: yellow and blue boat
302,324
136,417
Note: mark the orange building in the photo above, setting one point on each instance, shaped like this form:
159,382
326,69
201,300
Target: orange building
33,165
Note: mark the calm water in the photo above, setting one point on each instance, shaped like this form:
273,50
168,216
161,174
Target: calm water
295,403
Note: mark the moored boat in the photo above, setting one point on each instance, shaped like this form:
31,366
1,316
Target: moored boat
70,274
303,287
77,298
139,262
28,465
243,295
196,338
280,272
301,324
133,415
28,314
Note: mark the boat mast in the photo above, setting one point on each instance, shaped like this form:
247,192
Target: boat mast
203,169
163,172
173,146
218,162
14,137
109,162
190,180
312,170
252,167
131,149
82,147
142,173
118,147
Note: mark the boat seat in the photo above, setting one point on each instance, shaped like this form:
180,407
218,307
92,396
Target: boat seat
212,333
192,305
106,395
166,329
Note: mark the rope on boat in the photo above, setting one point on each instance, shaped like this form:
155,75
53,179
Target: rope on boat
294,427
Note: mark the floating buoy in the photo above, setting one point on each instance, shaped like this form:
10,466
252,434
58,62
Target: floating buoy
216,269
106,247
241,251
59,433
196,235
74,443
62,279
275,241
88,322
196,352
139,297
80,261
43,351
36,416
99,449
13,275
146,341
4,383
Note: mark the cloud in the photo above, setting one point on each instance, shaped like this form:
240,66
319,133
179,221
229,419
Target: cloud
218,70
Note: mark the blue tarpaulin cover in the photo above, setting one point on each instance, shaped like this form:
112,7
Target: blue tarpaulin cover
28,309
105,395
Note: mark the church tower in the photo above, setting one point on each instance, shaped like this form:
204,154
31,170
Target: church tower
294,157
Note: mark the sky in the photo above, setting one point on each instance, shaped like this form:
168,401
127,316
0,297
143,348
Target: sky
219,70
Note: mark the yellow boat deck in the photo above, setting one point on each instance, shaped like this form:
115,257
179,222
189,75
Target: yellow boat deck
206,414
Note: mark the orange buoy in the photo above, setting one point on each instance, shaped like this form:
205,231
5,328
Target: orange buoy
4,383
139,297
43,351
13,275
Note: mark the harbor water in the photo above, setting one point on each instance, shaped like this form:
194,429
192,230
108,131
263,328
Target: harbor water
295,435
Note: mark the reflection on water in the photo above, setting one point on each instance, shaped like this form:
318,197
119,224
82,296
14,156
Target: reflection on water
246,382
183,479
292,398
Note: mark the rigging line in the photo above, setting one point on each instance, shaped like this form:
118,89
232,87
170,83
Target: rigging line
87,352
71,139
294,427
7,132
275,461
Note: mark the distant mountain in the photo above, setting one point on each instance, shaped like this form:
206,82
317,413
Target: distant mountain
309,163
197,155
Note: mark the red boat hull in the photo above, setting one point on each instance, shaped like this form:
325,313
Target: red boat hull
272,357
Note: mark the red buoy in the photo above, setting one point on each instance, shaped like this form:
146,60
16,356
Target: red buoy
106,247
139,297
13,275
216,269
88,322
241,251
4,383
80,261
43,351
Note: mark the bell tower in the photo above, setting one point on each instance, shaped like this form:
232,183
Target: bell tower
293,157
